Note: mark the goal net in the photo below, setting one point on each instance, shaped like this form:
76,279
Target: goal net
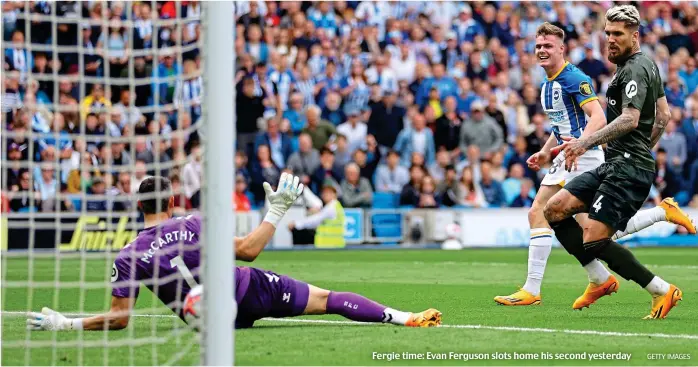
97,96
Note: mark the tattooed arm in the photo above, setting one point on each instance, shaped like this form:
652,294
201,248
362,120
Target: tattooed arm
623,124
660,121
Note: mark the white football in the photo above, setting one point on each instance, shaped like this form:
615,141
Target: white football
192,307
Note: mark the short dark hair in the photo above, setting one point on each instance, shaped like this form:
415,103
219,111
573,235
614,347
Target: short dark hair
661,150
326,150
152,185
393,152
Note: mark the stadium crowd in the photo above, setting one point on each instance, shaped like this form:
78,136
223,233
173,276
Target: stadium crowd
435,102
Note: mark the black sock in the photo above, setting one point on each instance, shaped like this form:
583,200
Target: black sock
621,260
571,237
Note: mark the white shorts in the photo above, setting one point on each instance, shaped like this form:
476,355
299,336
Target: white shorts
559,176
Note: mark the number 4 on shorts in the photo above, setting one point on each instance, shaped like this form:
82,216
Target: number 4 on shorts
597,204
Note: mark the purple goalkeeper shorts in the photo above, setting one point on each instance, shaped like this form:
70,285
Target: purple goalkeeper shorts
271,295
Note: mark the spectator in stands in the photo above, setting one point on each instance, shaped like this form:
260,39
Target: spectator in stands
320,131
165,73
367,168
667,181
115,43
519,155
386,120
592,66
392,177
191,177
305,161
130,114
278,143
448,128
524,199
41,117
445,85
437,170
254,46
689,75
140,173
689,128
482,131
249,109
469,193
494,111
98,188
355,90
14,170
448,188
18,57
124,201
428,197
20,199
95,102
491,189
295,116
381,74
182,204
327,170
409,195
675,92
332,111
189,90
48,186
512,185
354,130
356,190
241,203
416,139
539,136
674,144
342,152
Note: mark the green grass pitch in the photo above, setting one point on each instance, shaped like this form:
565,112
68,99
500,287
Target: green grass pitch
461,284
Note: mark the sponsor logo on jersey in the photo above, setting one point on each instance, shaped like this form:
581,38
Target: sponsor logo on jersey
631,89
114,273
585,89
612,102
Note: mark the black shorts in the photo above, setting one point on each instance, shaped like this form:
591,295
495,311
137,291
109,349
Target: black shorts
613,192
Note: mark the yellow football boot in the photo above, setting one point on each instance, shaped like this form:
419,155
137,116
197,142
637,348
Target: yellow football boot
428,318
595,291
661,305
520,298
675,215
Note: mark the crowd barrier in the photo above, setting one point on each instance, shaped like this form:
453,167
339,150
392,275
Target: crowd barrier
404,227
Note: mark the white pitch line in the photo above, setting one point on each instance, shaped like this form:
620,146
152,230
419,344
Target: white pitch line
480,327
75,314
506,328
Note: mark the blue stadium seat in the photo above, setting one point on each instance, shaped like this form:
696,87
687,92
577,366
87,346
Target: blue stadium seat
385,200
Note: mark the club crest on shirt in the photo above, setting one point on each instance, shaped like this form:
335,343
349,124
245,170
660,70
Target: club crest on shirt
585,89
556,95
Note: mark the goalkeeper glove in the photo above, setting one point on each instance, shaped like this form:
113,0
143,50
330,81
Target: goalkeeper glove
50,320
288,190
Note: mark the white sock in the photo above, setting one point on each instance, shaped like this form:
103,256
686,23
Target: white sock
398,317
596,272
538,253
658,286
642,220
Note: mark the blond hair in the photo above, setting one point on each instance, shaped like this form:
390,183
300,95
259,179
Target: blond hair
547,29
627,14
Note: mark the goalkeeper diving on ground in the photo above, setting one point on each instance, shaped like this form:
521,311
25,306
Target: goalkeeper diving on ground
166,255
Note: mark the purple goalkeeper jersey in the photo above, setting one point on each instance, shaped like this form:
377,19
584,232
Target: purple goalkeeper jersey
166,259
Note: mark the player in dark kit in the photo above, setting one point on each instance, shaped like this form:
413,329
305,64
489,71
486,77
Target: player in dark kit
615,191
166,255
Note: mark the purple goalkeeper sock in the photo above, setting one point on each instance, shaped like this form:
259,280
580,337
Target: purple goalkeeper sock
359,308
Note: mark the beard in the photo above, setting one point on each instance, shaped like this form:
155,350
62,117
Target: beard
620,54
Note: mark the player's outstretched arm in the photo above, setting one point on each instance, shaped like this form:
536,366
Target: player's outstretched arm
661,119
289,189
116,319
